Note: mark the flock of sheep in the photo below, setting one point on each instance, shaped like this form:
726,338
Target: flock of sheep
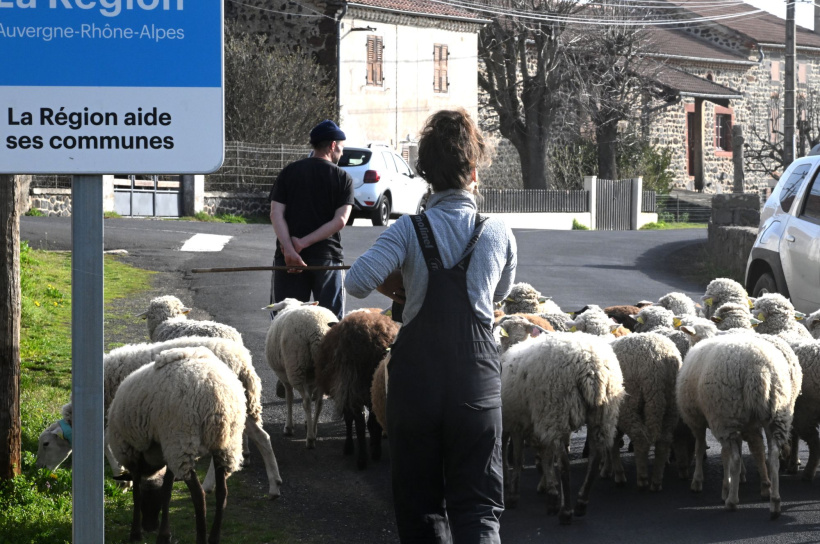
660,373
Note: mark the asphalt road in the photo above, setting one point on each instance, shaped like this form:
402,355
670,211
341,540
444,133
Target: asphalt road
340,504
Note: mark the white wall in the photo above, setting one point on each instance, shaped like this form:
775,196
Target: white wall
398,108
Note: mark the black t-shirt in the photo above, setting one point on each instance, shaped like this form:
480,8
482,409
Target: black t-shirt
312,190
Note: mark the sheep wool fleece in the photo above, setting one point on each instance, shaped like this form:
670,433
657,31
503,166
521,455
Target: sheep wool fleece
444,412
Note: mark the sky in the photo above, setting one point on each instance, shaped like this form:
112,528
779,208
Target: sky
804,14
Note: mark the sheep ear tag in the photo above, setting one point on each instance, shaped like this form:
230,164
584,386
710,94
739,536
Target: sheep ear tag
676,322
761,316
799,316
716,319
640,320
754,322
503,333
143,315
65,431
709,301
574,329
186,311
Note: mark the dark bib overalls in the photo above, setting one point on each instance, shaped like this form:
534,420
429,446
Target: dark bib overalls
444,412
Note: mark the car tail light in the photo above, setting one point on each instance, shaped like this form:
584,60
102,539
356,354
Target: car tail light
372,176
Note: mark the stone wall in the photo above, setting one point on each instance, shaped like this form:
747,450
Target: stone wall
245,205
505,170
51,201
732,231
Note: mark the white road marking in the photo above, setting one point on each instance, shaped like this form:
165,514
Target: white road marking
205,242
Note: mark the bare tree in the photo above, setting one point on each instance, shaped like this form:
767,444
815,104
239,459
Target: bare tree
272,95
612,77
522,75
764,140
9,327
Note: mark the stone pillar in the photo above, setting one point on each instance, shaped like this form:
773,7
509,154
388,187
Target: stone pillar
24,185
697,148
193,193
737,158
108,193
591,187
635,206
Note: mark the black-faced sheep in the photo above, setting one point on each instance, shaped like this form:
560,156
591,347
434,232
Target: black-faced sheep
347,359
168,414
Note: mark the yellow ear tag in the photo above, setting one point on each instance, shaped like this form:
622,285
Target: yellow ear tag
574,329
676,322
504,334
509,299
761,317
640,320
709,301
751,304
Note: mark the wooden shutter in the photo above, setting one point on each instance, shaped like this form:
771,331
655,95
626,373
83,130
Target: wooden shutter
440,81
445,79
378,60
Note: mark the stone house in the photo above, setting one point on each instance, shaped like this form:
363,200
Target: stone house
725,73
393,62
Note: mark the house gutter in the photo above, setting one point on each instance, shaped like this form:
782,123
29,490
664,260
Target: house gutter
712,96
799,47
419,14
702,59
339,63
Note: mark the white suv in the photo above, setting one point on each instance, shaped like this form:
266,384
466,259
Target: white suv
384,186
785,257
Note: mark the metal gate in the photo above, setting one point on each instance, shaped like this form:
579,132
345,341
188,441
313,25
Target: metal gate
614,208
152,196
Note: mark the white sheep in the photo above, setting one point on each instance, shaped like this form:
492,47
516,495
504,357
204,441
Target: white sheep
678,303
551,386
522,299
777,316
812,323
719,292
735,317
166,319
291,349
167,415
649,363
119,363
733,384
592,321
659,320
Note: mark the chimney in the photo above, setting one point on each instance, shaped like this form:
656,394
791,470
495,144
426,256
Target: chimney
817,18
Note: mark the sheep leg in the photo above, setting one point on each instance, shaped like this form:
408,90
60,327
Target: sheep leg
221,503
774,469
565,515
319,402
289,403
617,466
375,431
813,441
310,441
511,500
209,483
592,472
794,458
700,451
246,450
550,482
164,534
731,465
361,438
348,449
198,498
255,431
662,448
136,495
758,450
641,462
116,469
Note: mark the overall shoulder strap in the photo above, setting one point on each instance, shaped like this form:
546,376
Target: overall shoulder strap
427,242
464,262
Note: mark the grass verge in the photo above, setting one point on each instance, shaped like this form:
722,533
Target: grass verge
661,225
36,507
226,218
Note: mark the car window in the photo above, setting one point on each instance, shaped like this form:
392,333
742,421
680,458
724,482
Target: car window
354,157
388,158
811,209
791,186
402,166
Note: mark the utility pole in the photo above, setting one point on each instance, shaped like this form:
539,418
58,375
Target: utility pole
791,53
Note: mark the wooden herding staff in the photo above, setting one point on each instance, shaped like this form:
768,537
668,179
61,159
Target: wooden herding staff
263,268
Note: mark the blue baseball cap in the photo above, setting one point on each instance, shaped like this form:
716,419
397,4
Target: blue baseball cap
325,131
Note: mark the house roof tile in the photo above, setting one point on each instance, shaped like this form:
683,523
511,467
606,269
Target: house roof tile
761,27
680,43
422,7
691,85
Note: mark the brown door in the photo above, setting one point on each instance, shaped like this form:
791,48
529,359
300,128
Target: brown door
690,142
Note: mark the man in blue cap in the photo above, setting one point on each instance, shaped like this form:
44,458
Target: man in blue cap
311,201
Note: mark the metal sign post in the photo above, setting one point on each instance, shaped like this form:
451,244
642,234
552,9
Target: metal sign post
106,88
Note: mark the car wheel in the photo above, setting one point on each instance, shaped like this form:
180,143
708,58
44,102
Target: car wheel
764,284
381,214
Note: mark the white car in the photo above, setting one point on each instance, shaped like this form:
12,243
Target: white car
785,257
384,185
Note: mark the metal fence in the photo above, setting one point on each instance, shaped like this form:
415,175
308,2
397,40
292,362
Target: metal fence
670,209
649,202
614,207
534,200
44,181
252,168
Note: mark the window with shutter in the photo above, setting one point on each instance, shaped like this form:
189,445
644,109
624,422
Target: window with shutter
375,55
441,82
